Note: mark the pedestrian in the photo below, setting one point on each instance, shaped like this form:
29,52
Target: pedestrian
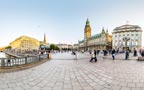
74,53
105,52
95,52
135,52
127,54
113,54
93,56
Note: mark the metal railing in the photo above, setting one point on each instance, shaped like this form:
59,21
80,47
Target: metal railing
9,62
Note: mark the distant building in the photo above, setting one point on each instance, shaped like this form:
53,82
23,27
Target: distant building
25,43
70,46
44,45
64,46
75,46
3,48
131,32
101,41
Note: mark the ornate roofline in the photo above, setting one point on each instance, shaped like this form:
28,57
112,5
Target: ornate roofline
127,27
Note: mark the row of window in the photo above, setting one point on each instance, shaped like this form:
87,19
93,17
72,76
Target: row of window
91,42
27,44
122,40
128,43
126,35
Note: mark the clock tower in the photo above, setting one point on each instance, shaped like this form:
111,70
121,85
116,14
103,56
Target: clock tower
87,30
87,34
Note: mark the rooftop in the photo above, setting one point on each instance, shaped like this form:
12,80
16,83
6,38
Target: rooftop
128,27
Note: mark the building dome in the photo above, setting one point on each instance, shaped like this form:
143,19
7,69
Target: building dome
127,27
25,43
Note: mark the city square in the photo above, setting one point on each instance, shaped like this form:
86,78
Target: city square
64,72
71,45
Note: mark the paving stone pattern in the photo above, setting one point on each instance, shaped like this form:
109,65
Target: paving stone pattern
67,73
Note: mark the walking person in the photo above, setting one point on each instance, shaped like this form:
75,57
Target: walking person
93,56
113,54
74,53
127,54
135,52
95,52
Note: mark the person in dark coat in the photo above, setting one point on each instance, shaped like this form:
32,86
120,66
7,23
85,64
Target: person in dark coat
135,52
113,54
126,54
95,52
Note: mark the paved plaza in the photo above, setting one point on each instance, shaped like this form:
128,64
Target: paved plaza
64,72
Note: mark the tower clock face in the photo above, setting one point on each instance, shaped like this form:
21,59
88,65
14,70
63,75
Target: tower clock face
88,30
88,34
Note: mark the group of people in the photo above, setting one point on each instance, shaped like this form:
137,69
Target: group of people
113,53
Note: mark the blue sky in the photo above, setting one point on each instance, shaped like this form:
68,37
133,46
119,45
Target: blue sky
63,21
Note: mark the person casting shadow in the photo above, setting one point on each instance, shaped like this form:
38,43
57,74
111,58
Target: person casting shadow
113,54
93,56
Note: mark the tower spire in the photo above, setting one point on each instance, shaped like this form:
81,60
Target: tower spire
87,22
44,39
103,31
107,31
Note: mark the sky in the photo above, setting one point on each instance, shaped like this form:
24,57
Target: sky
63,21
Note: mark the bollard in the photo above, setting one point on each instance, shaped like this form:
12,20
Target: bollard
48,56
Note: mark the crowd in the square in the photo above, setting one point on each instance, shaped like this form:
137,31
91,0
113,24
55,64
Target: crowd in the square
113,53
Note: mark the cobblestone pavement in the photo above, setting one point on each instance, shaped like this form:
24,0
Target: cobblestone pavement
62,74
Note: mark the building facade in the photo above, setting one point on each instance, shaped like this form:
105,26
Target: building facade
65,46
127,36
75,46
101,41
25,43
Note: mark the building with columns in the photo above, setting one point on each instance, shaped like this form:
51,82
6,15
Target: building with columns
100,41
127,36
